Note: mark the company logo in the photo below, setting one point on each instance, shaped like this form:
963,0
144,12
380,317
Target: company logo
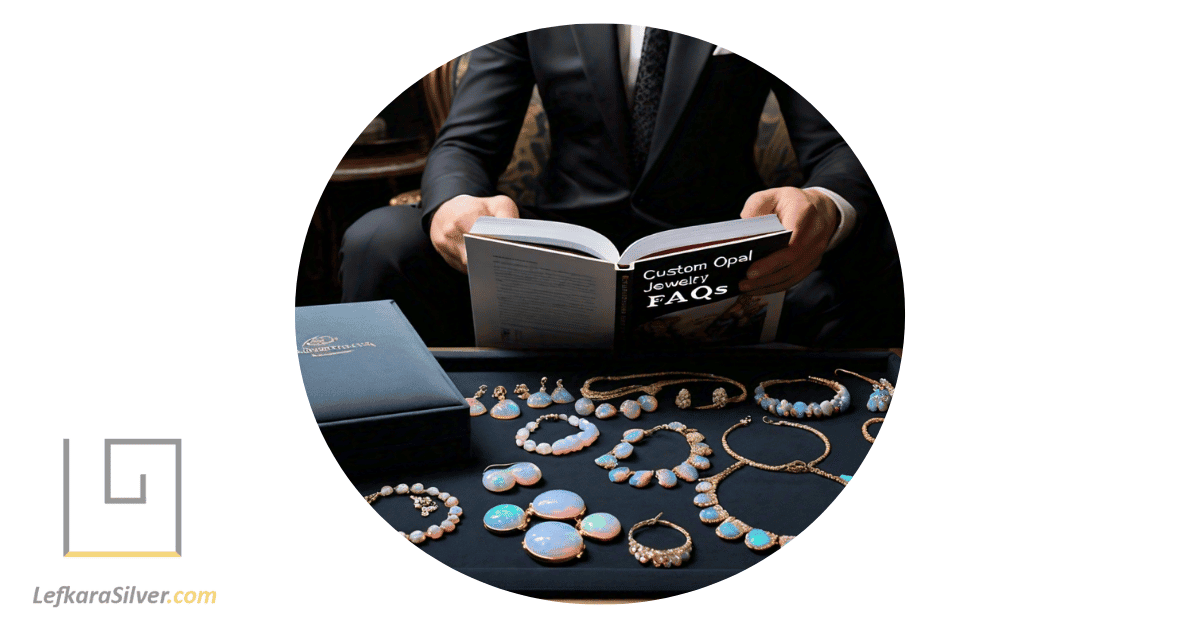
323,346
145,522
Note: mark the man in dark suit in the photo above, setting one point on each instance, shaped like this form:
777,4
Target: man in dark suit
649,130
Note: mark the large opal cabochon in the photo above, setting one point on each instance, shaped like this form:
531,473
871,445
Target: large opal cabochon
600,525
526,473
584,406
558,504
498,480
504,518
553,541
538,400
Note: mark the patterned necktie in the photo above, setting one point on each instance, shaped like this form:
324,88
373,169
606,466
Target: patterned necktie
647,91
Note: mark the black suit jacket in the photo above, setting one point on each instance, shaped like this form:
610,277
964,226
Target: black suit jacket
701,162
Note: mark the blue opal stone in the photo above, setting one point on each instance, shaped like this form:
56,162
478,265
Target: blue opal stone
607,461
758,539
558,504
618,475
884,403
814,409
504,518
641,479
538,400
704,486
700,462
507,409
605,411
873,403
498,480
729,530
765,402
704,499
648,403
675,425
847,477
600,525
686,472
783,408
631,409
711,515
622,450
553,541
560,447
455,510
666,478
560,395
584,406
633,436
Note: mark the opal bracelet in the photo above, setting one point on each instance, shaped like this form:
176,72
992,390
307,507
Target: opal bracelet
588,433
674,557
783,408
423,500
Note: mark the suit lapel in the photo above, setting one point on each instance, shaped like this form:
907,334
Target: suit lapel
602,64
685,61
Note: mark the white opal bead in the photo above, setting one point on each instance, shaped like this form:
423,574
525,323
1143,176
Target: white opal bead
451,501
455,510
401,489
520,443
433,490
417,488
531,426
448,525
529,445
417,536
522,433
385,491
826,408
574,420
443,496
544,449
434,532
453,518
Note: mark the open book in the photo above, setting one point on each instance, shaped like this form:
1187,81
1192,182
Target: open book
537,283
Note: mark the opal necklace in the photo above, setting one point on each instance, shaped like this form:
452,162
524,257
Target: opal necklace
729,527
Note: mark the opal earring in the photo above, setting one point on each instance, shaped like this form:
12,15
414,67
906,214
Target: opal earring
881,393
553,541
539,399
500,480
505,409
561,395
475,405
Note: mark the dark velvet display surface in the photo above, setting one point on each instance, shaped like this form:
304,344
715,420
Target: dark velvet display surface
779,502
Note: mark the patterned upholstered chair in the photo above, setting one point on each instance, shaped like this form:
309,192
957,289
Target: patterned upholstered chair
772,153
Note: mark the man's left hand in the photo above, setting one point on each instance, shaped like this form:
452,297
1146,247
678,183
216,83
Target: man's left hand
812,218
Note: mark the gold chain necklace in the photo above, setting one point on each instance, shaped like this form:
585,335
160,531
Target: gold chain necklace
720,398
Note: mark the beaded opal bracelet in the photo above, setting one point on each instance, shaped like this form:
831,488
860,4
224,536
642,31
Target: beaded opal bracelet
423,500
783,408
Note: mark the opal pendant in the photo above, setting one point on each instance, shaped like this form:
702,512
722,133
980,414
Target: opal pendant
648,403
666,478
560,394
600,526
686,472
633,436
505,518
538,400
584,406
505,410
641,479
731,529
558,504
618,475
476,408
553,542
605,411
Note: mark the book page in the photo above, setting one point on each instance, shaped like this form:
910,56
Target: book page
527,296
547,233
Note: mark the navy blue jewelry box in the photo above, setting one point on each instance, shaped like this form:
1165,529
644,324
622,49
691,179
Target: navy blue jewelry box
380,398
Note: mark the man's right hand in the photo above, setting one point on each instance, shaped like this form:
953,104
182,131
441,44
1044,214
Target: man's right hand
456,217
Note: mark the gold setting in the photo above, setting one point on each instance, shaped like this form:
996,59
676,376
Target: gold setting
720,397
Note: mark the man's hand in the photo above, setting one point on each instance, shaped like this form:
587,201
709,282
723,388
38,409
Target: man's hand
456,217
812,218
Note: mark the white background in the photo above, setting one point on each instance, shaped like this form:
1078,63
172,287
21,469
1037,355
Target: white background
161,164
